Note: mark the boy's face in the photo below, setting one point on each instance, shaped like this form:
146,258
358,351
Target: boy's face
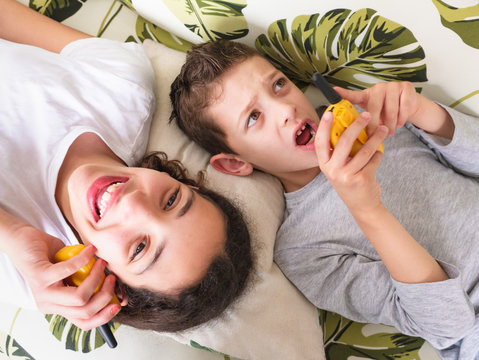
267,120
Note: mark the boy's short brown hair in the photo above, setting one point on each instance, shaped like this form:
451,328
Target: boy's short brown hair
192,91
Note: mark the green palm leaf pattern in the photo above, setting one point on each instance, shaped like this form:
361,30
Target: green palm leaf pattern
11,349
58,9
344,338
195,345
352,49
211,19
463,21
464,98
128,4
75,338
147,30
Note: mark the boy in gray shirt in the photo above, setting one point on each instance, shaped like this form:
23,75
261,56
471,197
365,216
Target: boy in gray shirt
377,238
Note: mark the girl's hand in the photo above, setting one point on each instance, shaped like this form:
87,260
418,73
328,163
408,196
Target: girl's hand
353,178
45,278
389,103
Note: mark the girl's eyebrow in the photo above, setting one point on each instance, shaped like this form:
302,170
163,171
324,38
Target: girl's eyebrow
187,206
181,212
153,262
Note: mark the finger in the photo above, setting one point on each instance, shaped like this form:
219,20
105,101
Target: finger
348,137
87,307
322,141
356,97
92,282
102,317
368,151
62,270
391,108
375,106
407,103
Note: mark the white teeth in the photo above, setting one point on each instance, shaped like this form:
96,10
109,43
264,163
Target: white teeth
103,202
313,133
299,132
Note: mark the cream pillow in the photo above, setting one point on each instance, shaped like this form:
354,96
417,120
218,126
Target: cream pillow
272,320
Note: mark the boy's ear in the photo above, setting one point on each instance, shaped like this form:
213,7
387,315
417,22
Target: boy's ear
231,164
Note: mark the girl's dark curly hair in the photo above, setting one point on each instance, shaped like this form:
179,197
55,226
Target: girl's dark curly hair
225,279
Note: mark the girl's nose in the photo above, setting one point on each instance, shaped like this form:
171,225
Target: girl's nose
137,204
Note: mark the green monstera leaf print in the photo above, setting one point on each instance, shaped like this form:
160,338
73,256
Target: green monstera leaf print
351,49
345,339
11,349
463,21
211,19
58,10
147,30
75,338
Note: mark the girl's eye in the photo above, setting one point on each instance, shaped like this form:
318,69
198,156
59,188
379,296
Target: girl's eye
172,199
140,248
281,82
253,117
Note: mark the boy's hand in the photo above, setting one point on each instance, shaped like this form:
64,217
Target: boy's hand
45,279
353,178
389,103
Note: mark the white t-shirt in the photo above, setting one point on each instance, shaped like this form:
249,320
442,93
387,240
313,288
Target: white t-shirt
47,101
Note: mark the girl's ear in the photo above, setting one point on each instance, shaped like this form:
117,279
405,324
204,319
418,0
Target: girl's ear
231,164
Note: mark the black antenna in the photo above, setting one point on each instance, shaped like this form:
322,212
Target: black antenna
331,95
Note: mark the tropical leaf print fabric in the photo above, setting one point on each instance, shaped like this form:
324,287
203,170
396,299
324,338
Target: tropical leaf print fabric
432,43
351,49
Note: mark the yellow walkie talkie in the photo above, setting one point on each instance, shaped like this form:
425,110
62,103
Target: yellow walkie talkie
77,278
344,114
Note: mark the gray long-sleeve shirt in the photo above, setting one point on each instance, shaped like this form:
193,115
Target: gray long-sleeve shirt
321,249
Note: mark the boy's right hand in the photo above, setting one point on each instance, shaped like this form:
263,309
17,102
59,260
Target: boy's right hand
45,278
354,179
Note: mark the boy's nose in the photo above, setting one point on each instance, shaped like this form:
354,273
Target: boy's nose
287,114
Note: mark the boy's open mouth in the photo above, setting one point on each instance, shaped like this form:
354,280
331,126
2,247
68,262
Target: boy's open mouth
305,135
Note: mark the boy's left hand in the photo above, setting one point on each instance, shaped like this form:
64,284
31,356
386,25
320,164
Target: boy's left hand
389,103
354,179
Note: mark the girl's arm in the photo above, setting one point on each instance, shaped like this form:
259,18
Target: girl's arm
20,24
31,251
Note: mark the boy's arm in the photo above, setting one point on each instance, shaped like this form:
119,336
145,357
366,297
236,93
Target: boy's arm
452,136
354,181
394,103
20,24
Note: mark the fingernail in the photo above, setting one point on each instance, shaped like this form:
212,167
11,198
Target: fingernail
366,115
115,310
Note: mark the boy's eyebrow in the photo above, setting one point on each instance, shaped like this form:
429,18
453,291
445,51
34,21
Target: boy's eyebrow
245,110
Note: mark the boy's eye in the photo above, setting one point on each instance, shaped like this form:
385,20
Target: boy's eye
172,199
139,248
281,82
253,117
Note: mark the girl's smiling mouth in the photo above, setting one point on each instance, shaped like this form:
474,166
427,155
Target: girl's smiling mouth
103,193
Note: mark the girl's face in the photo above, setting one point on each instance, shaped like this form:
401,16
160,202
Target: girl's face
153,231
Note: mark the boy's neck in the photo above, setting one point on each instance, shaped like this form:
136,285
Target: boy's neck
296,180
